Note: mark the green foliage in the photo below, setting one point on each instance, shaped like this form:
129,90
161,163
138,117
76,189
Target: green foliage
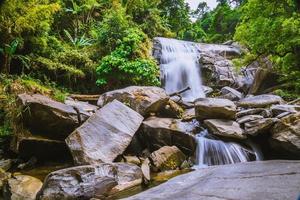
272,28
126,65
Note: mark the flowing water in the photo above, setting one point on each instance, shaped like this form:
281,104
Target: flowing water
180,68
211,151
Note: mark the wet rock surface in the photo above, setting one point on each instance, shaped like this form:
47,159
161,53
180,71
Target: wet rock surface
105,135
248,181
144,100
85,182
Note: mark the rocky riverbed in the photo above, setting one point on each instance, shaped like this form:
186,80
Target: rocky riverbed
136,136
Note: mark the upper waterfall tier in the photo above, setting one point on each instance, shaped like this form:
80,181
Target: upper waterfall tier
179,64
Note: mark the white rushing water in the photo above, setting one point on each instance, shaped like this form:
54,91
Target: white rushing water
216,152
180,68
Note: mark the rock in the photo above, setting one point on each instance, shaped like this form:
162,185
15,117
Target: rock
133,160
166,158
217,70
4,176
171,110
22,187
144,100
105,135
286,134
248,118
6,164
82,107
247,181
253,111
265,78
159,132
279,109
259,126
260,101
225,128
189,114
210,108
47,117
85,182
207,90
231,94
146,169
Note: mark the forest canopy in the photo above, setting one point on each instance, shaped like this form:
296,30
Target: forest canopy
96,45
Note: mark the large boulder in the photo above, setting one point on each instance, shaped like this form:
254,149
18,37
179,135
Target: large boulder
50,118
105,135
213,108
166,158
260,101
160,132
81,106
247,181
286,135
225,128
144,100
89,181
252,111
22,187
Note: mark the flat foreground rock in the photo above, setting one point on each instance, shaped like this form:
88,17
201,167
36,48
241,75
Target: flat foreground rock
244,181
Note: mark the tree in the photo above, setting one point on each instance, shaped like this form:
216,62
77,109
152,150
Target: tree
272,28
26,22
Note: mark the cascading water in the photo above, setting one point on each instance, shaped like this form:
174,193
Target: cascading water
180,68
216,152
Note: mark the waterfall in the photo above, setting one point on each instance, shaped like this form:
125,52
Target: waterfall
180,68
211,151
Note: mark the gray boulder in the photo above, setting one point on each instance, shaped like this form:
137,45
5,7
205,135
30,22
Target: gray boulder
50,118
160,132
247,181
260,101
166,158
144,100
212,108
85,182
286,135
105,135
225,128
